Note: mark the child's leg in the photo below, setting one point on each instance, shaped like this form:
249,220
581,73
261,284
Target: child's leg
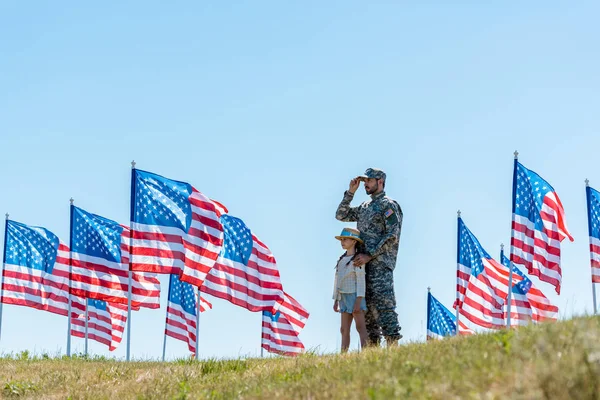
345,330
361,328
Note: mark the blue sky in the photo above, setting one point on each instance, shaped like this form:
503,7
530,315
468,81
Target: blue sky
271,108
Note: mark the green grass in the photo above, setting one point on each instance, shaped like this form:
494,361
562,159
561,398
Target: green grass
550,361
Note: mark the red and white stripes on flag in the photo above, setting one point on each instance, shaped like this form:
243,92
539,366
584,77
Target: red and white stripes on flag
521,313
533,306
542,309
528,303
280,330
255,285
176,228
538,227
181,324
43,289
593,209
464,330
485,296
101,279
106,321
595,259
482,284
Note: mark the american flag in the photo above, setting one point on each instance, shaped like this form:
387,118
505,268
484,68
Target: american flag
106,321
100,263
36,272
181,312
482,282
441,322
280,330
176,228
246,272
528,303
538,226
593,206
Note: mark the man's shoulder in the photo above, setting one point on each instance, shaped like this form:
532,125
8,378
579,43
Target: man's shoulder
388,201
366,203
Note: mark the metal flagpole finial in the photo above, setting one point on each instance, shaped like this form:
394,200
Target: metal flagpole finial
516,153
71,201
587,182
428,289
133,164
458,213
7,215
501,246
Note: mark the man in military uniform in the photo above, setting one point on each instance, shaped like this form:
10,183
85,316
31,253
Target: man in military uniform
379,221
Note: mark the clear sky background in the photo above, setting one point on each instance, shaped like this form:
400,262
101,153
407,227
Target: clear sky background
271,108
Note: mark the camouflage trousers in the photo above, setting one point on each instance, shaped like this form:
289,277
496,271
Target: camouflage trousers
381,317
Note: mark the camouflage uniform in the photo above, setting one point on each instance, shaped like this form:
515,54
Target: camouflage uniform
379,222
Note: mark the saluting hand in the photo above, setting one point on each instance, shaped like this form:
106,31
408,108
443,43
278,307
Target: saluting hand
354,184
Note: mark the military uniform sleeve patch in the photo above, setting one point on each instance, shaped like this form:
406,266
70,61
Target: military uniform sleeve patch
389,213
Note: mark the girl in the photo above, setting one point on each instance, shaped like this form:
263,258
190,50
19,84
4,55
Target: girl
349,288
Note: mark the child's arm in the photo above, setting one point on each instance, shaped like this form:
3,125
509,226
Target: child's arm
335,285
360,287
335,292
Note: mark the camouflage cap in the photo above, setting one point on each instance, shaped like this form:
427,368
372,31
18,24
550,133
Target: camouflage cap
374,173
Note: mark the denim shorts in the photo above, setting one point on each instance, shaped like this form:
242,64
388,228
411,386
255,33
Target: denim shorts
347,301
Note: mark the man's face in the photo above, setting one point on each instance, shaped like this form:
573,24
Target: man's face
371,185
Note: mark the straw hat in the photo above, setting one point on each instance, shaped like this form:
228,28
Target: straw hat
350,233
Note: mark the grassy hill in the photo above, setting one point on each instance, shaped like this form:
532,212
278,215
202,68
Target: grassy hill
551,361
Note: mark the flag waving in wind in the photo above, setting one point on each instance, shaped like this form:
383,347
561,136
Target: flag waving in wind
528,303
246,272
280,330
36,272
441,322
538,226
593,206
482,284
182,311
178,230
175,228
100,263
106,321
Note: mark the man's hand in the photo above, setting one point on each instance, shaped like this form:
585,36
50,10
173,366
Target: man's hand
354,184
361,260
357,305
336,306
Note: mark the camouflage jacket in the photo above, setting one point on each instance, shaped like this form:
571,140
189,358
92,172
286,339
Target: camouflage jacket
379,221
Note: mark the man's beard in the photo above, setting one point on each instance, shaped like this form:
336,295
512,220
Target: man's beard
370,191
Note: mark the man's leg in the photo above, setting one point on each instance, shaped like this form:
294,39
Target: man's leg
371,315
385,303
372,324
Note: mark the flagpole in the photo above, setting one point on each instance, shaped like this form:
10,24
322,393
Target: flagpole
164,341
510,275
2,271
457,267
427,323
86,327
70,272
510,264
166,316
198,325
262,350
130,261
587,195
